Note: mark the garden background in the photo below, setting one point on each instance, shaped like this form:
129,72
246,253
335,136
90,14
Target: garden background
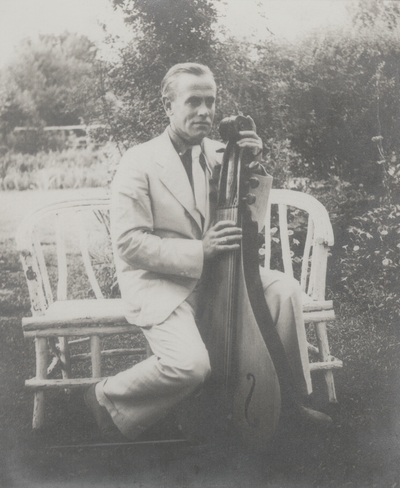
328,110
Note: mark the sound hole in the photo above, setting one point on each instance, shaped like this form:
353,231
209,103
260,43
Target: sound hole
255,422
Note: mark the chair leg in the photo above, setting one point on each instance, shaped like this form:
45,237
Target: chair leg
95,352
65,357
41,373
324,355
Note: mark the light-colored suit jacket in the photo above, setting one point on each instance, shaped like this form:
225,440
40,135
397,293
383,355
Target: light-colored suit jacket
156,229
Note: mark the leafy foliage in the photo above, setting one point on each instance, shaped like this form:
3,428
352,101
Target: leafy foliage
371,261
328,95
70,168
366,256
48,83
163,33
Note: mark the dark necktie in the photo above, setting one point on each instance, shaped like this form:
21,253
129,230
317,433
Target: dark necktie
187,164
186,159
196,172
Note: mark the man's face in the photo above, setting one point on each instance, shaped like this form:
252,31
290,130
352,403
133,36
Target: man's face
191,112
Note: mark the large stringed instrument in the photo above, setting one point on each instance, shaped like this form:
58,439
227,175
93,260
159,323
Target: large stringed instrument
250,379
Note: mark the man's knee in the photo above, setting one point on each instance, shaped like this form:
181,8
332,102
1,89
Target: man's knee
285,289
282,294
281,286
201,368
192,369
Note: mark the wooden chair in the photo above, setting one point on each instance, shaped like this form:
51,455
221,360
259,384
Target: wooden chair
53,322
60,325
310,259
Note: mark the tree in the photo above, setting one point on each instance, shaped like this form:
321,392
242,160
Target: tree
323,99
371,13
330,95
164,32
48,83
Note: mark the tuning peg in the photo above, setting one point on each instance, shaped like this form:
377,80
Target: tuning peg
250,199
254,182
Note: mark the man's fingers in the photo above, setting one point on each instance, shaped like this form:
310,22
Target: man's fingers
249,141
228,243
252,122
230,247
229,231
227,236
248,133
224,224
228,239
223,236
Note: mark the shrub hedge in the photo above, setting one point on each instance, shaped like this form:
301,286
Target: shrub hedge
71,168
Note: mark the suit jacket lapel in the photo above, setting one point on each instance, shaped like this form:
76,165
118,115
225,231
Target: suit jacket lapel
213,161
174,177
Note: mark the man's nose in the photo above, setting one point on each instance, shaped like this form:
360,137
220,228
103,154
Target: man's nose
203,109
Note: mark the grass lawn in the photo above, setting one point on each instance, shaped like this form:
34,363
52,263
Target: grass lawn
360,450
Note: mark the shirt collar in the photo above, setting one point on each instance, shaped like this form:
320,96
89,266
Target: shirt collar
179,144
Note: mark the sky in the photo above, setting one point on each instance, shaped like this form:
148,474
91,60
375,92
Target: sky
20,19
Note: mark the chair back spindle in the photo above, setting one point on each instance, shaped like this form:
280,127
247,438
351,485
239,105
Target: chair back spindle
84,246
267,243
308,245
285,244
319,237
62,281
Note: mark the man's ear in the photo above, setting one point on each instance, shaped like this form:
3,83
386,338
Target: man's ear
167,105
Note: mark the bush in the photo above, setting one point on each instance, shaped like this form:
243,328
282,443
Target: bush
36,140
71,168
363,269
369,243
371,261
279,159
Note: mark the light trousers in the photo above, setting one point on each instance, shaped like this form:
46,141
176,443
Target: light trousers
140,396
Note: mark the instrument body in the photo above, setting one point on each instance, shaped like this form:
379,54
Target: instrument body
250,384
243,371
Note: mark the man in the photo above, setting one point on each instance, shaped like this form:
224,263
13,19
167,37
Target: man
163,235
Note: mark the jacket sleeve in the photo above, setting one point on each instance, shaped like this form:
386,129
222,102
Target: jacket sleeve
132,228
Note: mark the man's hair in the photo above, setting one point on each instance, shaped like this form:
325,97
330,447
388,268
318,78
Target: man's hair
167,84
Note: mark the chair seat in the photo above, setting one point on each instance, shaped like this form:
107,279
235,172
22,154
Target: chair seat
110,312
79,317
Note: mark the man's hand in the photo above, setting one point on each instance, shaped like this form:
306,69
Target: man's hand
223,236
249,139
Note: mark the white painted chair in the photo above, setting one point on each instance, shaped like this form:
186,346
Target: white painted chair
54,321
58,324
311,263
